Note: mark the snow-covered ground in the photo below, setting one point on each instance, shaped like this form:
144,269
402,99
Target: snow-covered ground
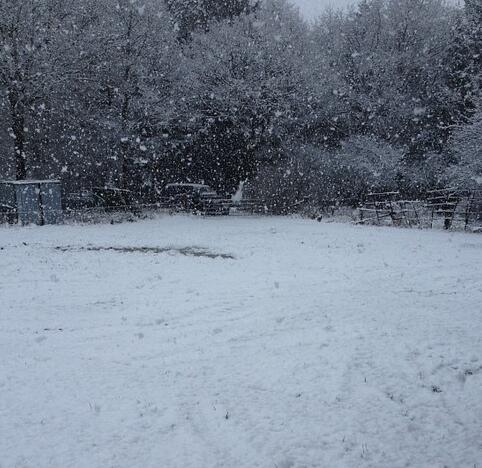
316,345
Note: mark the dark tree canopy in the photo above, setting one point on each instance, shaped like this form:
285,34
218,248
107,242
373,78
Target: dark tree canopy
191,15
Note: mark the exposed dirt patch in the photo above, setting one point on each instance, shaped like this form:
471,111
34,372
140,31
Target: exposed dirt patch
186,251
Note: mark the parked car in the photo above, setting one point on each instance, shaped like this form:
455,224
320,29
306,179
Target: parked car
114,199
8,214
109,198
80,200
198,198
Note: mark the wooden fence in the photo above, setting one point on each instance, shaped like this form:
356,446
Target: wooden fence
447,208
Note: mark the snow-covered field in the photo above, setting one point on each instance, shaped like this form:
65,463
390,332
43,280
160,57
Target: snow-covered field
315,345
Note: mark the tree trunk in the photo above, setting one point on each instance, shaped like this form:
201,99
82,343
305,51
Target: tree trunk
124,145
18,130
19,147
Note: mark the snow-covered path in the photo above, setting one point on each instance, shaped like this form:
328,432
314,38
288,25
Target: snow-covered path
317,345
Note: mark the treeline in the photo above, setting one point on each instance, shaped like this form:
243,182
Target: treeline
138,93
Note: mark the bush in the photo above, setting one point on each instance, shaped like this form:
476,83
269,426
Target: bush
467,146
308,178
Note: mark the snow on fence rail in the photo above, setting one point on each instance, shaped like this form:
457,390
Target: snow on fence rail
245,207
447,208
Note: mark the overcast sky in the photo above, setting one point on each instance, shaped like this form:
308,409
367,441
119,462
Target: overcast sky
312,8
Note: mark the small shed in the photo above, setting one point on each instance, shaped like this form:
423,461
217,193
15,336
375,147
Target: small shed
33,201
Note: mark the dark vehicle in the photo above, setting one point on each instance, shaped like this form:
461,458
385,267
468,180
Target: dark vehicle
80,200
8,214
100,197
198,198
113,198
